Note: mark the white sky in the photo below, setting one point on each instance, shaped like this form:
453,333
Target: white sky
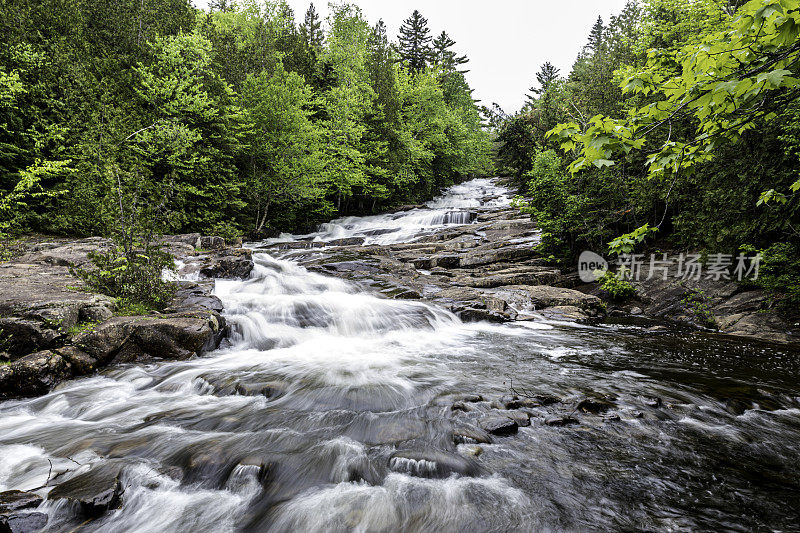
506,40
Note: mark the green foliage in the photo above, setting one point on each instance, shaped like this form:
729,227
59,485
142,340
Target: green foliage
626,244
133,278
617,288
779,275
680,116
697,301
238,120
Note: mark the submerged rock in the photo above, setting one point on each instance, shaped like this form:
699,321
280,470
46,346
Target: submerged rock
558,421
595,406
500,425
432,464
96,491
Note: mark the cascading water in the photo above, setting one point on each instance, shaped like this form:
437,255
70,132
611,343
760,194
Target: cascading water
332,409
455,207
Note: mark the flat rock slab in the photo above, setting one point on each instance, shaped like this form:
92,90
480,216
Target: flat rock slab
96,491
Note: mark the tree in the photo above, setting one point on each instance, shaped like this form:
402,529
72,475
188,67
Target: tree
445,57
547,74
595,42
311,29
184,149
283,163
415,43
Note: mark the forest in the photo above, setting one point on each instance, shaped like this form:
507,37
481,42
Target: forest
238,121
677,126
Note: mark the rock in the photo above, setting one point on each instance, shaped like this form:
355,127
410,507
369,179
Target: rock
564,312
192,239
270,389
14,500
474,450
559,421
235,264
23,522
97,491
20,335
33,375
192,297
471,435
652,401
500,426
432,464
522,419
545,296
594,406
82,363
212,243
468,398
349,241
460,406
130,339
636,311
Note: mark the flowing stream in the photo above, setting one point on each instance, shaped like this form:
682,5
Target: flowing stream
331,409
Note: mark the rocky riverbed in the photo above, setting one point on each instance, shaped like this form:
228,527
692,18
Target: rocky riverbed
488,269
415,371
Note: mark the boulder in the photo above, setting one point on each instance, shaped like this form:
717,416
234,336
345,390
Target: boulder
212,243
96,491
14,500
233,263
33,375
500,425
22,522
131,339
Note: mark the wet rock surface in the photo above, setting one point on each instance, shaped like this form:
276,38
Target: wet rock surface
53,328
485,269
16,515
95,492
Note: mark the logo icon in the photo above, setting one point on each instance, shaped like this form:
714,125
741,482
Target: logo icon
591,267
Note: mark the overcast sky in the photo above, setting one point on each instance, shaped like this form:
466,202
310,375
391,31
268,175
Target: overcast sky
505,40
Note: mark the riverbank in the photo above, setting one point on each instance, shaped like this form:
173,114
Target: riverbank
54,328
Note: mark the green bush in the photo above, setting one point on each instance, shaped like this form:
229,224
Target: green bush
618,289
779,275
697,301
135,279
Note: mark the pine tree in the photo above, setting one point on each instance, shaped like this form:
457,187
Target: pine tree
311,28
595,38
219,5
415,42
547,74
445,56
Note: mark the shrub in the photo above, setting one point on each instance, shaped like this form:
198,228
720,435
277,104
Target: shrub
134,278
617,288
779,275
698,305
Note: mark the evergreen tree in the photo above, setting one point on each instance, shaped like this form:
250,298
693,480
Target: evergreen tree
311,29
595,38
415,43
445,56
547,74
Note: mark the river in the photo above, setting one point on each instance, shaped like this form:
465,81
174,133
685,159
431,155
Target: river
331,408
